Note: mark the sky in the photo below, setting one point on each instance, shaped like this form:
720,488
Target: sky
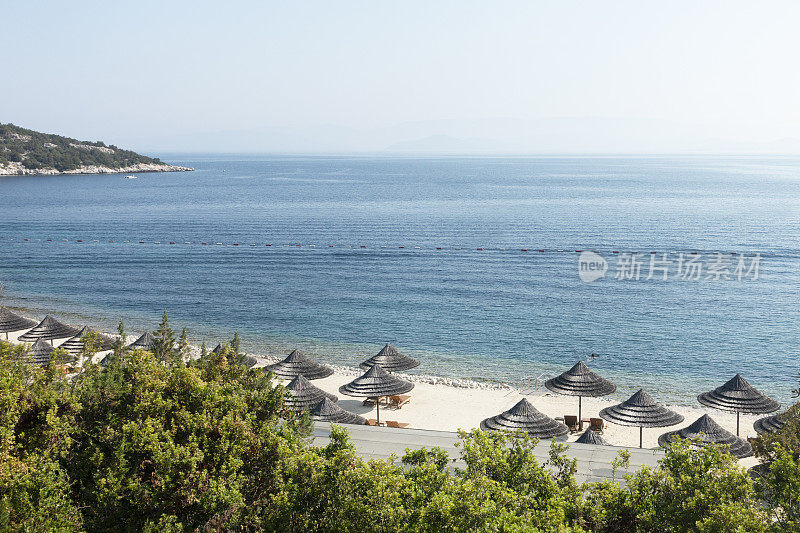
346,76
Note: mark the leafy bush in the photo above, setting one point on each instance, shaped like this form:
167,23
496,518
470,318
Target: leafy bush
160,444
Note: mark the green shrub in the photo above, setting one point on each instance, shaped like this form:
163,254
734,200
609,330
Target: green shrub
160,444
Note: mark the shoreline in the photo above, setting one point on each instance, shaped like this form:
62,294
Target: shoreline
17,169
447,404
344,358
266,359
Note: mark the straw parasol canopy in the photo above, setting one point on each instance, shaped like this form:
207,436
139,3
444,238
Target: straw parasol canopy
739,396
376,383
391,360
301,395
146,342
643,411
525,417
39,353
580,381
591,437
768,424
11,321
49,329
709,432
74,346
298,363
329,411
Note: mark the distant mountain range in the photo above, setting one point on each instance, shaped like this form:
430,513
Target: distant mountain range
447,144
556,135
24,151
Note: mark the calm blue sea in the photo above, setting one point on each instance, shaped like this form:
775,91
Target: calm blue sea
354,261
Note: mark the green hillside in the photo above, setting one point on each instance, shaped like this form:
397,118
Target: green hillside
46,151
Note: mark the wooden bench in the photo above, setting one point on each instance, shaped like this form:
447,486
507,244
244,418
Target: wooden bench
572,423
372,400
399,400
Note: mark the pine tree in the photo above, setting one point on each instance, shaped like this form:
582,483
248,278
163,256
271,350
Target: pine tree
183,346
203,350
164,348
119,344
235,344
235,357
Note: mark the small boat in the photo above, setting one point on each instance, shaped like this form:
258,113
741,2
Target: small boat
131,177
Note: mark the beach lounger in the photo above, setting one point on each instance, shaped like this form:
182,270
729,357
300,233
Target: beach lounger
372,422
572,423
393,424
372,400
398,401
597,424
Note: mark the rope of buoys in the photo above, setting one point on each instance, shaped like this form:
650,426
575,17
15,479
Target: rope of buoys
364,246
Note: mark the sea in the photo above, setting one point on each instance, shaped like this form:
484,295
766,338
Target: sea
669,273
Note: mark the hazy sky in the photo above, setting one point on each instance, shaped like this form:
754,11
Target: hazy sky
355,76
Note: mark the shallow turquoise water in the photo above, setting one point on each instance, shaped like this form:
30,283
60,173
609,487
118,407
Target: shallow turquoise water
496,313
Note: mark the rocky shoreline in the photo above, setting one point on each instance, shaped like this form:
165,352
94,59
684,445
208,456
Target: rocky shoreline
263,360
17,169
260,360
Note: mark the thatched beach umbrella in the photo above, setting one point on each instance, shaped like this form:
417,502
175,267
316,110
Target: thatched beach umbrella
391,360
39,352
298,363
643,411
329,411
301,395
376,383
11,321
74,346
49,329
591,436
768,424
708,431
525,417
146,342
739,396
580,381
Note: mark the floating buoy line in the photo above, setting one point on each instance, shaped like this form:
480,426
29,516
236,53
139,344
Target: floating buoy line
373,247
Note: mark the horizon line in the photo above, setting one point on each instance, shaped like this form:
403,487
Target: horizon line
400,154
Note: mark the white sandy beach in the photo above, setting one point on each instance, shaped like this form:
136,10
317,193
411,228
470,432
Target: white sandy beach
449,408
445,408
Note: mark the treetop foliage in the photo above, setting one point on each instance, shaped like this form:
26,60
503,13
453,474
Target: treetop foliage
152,443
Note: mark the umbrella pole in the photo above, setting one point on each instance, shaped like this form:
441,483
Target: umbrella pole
737,423
580,423
378,410
641,428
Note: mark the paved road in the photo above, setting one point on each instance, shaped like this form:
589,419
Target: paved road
594,462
